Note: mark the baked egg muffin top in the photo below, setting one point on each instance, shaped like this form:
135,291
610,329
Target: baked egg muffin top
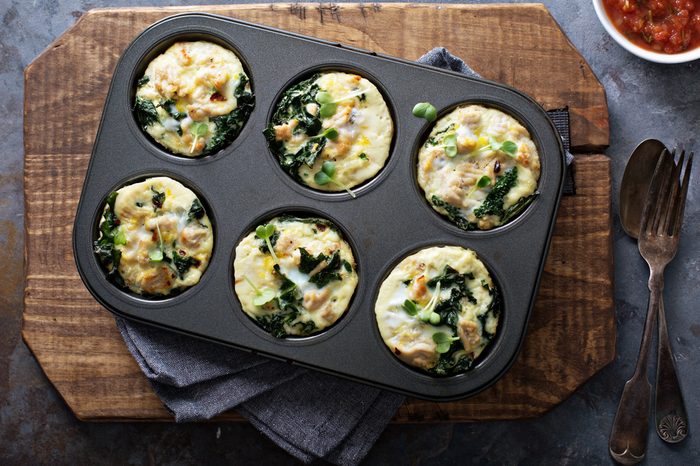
478,167
194,98
438,310
154,237
294,276
331,131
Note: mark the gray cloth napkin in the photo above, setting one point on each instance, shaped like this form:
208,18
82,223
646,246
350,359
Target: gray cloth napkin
309,414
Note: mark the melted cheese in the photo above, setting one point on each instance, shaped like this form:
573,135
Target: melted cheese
411,339
148,228
365,130
322,306
454,179
201,78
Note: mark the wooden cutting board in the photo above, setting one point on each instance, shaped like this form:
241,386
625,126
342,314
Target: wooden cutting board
571,335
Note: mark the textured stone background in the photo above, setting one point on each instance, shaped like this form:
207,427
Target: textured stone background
645,100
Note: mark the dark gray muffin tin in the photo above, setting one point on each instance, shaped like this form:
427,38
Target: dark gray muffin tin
243,185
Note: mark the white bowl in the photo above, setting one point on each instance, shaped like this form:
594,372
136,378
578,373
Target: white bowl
657,57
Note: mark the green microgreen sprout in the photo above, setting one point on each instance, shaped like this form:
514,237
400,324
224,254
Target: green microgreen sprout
410,307
262,295
157,255
326,174
428,314
443,341
450,145
198,130
507,147
425,110
330,133
481,183
329,105
265,232
120,238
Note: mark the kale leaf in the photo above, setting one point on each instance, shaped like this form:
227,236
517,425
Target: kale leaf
196,211
183,264
157,199
329,273
293,105
146,112
169,106
454,214
229,126
288,301
104,247
518,208
447,365
143,81
308,262
493,204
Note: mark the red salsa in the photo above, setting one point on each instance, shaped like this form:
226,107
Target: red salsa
667,26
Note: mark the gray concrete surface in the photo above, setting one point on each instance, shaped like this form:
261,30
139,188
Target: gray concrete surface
645,100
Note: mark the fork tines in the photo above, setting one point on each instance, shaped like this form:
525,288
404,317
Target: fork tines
665,215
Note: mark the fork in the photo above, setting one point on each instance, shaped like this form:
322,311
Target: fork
658,242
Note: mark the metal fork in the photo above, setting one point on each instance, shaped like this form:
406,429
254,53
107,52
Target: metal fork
658,243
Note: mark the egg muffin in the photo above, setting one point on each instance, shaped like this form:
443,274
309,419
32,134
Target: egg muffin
479,167
294,276
331,131
194,99
438,310
155,237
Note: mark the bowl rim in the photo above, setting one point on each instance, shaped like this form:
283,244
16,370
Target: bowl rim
656,57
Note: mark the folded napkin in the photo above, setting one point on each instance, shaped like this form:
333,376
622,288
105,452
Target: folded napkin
309,414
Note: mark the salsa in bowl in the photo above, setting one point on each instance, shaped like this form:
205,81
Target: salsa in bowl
663,31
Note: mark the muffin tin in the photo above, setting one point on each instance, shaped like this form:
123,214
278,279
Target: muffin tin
243,185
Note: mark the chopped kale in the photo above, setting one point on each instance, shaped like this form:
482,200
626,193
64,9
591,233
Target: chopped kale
329,273
449,364
362,97
518,208
293,106
183,263
196,211
308,262
493,204
143,81
407,282
169,106
288,301
449,309
229,126
307,154
104,247
157,199
449,276
363,156
454,214
146,112
347,266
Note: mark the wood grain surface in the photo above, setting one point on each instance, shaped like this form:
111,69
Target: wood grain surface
571,334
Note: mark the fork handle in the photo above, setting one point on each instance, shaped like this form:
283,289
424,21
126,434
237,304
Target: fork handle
671,417
628,438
